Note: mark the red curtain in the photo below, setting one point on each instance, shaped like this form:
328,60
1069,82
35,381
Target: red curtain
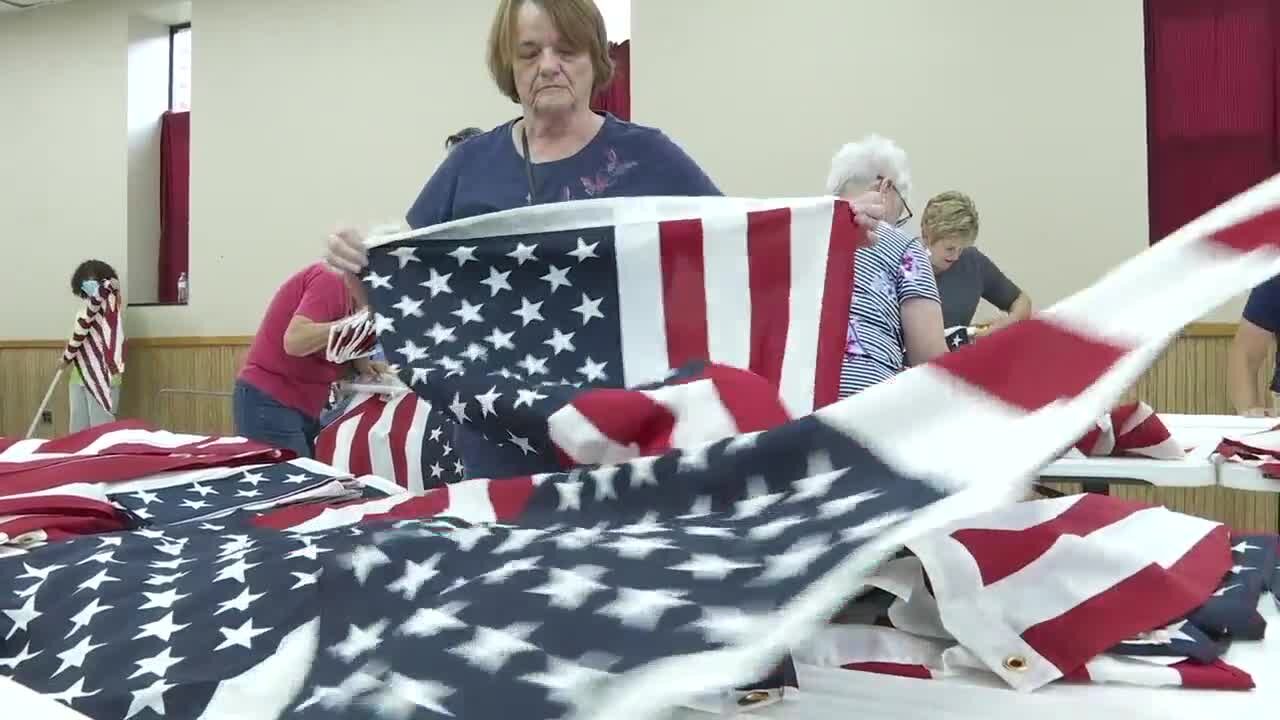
615,98
175,174
1211,104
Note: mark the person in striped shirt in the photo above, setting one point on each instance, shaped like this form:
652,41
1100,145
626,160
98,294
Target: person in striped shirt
895,314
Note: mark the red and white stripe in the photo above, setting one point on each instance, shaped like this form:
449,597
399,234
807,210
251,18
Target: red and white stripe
97,343
609,426
380,434
350,338
1217,675
1131,430
120,451
1258,450
787,264
60,513
1055,583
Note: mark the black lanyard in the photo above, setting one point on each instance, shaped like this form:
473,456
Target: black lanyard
528,166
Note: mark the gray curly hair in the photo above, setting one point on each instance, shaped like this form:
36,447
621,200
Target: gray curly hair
861,163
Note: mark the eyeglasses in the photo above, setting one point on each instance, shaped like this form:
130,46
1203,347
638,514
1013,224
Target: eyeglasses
906,209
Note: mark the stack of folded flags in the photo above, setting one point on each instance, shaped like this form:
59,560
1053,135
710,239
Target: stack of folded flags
1002,594
126,475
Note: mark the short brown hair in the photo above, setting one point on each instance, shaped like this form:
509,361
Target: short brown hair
579,23
91,270
950,215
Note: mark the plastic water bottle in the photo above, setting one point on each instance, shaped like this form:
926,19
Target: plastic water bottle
182,288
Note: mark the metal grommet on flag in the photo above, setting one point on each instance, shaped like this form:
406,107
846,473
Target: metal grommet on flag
1016,663
754,698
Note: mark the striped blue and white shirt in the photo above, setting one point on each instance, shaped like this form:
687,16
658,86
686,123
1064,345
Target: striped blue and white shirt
886,274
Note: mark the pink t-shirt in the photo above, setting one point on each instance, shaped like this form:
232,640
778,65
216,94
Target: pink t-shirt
301,383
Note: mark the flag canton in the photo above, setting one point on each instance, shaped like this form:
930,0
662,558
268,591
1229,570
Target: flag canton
252,489
1181,640
145,624
748,475
497,332
441,463
616,570
1232,610
541,307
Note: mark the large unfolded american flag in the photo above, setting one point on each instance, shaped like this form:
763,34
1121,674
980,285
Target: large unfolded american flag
619,589
96,346
617,293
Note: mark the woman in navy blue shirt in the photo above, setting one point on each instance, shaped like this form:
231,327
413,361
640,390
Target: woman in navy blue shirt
550,57
1255,339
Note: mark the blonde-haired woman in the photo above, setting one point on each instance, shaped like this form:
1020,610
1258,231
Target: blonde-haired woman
949,226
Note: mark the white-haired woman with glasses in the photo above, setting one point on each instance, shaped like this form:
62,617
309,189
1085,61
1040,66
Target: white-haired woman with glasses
895,315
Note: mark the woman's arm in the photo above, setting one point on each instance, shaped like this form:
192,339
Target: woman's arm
1020,309
305,336
922,330
1244,360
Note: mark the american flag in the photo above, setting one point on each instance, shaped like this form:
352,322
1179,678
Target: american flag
119,451
395,435
618,293
118,475
1001,593
350,338
1260,450
622,590
97,343
1130,430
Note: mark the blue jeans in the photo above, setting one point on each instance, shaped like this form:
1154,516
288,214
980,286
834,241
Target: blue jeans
335,412
260,417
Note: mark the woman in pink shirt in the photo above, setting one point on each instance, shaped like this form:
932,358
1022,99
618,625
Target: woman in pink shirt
284,384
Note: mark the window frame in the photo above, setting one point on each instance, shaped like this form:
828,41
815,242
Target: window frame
173,31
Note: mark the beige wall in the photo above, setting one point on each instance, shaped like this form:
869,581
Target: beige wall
63,159
148,99
310,114
1034,107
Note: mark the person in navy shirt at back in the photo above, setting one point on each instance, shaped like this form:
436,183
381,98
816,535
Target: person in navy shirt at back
550,57
1255,339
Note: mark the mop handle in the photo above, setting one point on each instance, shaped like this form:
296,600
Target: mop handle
48,394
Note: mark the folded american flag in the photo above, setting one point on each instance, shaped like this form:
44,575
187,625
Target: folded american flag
616,591
123,475
1260,450
192,497
96,346
57,514
351,338
117,451
1001,593
1131,430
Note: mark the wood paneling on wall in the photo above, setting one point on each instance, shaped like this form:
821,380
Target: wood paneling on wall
153,367
1188,378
